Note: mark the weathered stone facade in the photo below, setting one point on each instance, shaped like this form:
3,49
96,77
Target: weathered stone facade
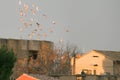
27,52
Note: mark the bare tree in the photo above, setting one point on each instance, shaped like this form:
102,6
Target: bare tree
55,61
64,59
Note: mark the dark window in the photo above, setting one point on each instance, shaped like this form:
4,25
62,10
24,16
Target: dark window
95,56
33,54
94,71
95,65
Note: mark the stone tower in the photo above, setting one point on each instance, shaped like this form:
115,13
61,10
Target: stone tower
27,52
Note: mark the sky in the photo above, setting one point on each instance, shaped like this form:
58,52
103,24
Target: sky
92,24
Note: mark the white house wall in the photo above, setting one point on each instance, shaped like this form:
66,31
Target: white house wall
87,61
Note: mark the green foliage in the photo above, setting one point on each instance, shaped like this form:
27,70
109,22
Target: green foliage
7,60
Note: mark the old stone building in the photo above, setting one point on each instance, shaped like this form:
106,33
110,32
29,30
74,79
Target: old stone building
28,54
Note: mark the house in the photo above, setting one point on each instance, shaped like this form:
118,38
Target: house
26,77
98,62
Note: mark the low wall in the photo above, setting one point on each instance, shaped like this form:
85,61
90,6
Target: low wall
102,77
89,77
68,77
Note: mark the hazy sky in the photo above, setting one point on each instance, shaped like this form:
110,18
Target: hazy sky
93,24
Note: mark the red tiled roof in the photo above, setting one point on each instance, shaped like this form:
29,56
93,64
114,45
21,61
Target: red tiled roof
26,77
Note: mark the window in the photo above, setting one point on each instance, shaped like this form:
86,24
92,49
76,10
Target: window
94,72
87,71
33,54
95,65
95,56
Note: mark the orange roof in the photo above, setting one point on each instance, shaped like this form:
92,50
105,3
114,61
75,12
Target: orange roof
26,77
